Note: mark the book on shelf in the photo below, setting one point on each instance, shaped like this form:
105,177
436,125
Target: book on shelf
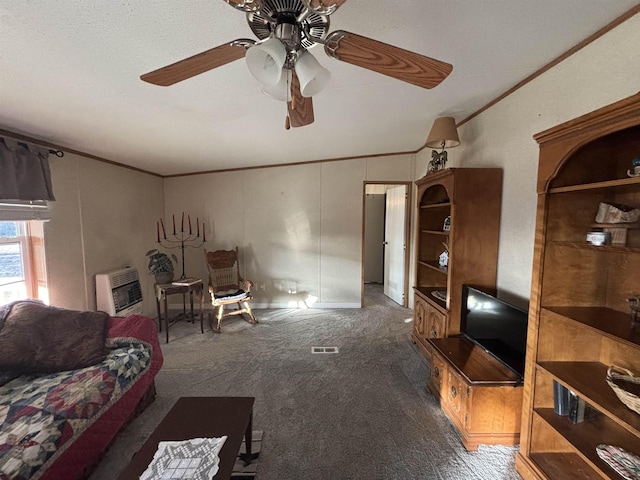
567,403
579,410
560,399
186,282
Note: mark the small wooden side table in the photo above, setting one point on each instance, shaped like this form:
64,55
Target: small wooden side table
163,290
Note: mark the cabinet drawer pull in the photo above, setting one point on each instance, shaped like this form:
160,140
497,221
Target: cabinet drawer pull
436,372
454,393
434,333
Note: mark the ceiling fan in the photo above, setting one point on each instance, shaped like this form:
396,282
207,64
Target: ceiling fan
286,29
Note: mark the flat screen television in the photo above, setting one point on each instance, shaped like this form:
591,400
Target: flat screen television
496,326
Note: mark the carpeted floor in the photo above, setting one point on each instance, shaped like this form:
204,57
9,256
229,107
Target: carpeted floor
361,413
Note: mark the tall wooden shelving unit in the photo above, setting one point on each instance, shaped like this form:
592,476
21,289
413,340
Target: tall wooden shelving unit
481,396
579,320
472,198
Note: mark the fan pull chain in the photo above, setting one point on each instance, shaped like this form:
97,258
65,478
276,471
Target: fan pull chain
287,120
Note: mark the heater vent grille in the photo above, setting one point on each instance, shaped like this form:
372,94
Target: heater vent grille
123,277
324,349
119,292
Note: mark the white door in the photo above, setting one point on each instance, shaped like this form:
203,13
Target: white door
395,244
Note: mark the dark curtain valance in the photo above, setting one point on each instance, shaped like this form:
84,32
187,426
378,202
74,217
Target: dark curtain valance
24,172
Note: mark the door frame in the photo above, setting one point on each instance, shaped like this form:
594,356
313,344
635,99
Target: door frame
407,227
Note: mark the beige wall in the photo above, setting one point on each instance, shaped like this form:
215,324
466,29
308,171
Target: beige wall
103,219
600,74
299,228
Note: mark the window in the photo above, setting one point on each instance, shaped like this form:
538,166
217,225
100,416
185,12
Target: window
22,265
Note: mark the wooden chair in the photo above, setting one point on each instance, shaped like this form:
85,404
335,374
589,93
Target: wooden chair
226,285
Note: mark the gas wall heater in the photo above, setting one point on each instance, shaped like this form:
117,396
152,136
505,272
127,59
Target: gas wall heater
119,293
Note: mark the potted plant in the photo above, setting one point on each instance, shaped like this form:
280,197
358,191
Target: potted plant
161,265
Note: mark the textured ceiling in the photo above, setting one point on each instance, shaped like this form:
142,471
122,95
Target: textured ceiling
69,75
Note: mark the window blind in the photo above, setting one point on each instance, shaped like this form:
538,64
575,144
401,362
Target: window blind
16,210
25,181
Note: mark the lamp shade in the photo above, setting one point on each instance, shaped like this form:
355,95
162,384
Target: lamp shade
265,61
443,133
313,76
279,91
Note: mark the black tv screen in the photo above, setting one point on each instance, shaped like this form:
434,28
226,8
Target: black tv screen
496,326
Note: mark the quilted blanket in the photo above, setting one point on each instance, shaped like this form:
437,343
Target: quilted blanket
43,415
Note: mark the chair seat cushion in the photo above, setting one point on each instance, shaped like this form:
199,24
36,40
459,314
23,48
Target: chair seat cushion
230,295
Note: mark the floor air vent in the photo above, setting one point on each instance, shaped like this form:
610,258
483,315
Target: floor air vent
324,349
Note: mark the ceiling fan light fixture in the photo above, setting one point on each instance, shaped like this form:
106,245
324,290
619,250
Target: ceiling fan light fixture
279,91
286,29
313,76
265,61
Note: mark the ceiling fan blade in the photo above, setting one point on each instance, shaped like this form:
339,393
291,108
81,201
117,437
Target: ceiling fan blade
245,5
324,7
200,63
300,108
386,59
330,3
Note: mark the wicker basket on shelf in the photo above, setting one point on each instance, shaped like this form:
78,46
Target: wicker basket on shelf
625,385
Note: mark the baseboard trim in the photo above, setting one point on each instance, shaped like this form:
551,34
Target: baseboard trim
314,306
208,307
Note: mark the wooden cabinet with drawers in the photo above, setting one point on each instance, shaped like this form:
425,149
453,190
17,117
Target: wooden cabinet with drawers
428,322
481,397
436,375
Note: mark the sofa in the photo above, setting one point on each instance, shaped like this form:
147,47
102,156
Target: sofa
69,382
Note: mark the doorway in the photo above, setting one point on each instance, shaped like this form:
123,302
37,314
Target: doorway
385,238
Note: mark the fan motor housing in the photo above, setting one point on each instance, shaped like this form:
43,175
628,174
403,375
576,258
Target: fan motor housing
275,13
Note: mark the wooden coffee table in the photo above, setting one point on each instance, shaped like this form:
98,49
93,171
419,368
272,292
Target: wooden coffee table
201,417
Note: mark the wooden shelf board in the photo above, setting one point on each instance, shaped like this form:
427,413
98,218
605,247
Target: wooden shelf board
568,466
472,362
588,380
597,185
434,265
606,321
602,248
425,293
436,205
586,436
436,232
630,226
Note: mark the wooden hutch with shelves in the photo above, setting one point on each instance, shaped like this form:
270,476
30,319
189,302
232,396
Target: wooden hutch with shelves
579,319
471,197
480,395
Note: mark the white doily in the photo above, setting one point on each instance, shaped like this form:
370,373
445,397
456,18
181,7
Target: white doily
195,459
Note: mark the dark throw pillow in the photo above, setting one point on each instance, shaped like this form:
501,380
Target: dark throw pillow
36,338
7,376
